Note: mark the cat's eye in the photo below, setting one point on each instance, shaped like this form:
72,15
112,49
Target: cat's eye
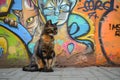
50,8
64,8
30,20
48,11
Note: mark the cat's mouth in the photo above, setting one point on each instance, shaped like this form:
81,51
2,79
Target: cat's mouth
51,34
55,32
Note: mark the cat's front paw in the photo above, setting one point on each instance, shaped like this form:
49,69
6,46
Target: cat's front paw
41,70
50,70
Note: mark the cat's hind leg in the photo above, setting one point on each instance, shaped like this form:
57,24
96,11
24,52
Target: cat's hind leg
32,66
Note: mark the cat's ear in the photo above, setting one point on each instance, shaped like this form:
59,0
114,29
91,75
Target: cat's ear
49,22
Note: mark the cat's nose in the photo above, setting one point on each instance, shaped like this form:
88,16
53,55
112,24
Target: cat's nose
57,12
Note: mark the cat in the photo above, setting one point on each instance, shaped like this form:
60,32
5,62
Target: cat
44,50
44,54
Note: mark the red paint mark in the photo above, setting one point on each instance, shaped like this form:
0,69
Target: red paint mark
2,2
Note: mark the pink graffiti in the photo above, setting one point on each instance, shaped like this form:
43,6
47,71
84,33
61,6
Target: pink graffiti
30,4
2,2
77,47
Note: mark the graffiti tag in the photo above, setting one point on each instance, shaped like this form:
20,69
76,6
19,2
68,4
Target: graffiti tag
115,27
92,5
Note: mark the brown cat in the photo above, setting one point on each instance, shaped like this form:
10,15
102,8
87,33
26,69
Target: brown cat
44,50
44,54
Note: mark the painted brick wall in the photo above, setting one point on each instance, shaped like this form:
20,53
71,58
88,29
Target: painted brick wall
88,31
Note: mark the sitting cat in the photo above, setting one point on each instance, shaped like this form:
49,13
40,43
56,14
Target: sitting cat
44,50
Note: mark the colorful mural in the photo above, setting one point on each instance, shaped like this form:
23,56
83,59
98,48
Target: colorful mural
88,30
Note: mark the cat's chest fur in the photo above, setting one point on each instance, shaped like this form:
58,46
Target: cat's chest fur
46,39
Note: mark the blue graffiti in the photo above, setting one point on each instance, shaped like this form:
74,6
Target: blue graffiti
60,11
19,31
78,27
1,51
31,47
70,47
56,10
17,5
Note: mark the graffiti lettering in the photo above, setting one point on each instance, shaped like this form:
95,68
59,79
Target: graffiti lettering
80,40
115,27
92,5
117,33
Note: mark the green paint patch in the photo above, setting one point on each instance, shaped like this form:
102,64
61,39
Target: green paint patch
16,56
11,38
16,49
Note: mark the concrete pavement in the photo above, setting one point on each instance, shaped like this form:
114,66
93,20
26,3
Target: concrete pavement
86,73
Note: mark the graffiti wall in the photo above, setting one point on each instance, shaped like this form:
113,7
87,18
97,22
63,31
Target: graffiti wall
88,31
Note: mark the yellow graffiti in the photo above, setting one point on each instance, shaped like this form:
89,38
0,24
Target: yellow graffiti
12,45
3,44
12,49
40,13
